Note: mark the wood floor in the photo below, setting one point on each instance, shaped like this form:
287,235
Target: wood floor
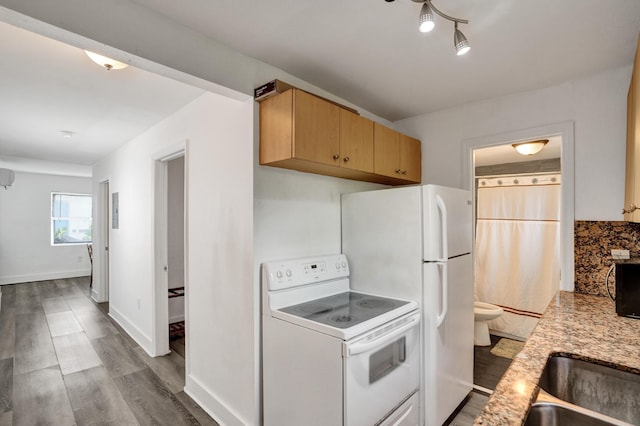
63,361
488,368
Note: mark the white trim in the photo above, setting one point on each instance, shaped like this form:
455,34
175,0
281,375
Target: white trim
17,279
566,130
160,288
206,399
134,332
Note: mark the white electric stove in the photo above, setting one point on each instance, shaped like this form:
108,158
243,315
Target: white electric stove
332,356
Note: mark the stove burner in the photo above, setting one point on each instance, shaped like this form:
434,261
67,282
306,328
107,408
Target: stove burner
316,309
374,304
343,318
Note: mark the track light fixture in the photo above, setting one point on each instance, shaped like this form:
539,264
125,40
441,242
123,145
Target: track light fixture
426,23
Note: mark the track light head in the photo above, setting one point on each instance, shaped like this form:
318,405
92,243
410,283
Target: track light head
460,42
425,20
426,23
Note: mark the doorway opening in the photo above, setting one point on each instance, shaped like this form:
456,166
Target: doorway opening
492,180
171,287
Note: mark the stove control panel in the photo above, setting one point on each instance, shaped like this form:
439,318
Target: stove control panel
297,272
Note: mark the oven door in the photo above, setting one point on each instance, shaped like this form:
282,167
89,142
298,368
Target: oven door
381,369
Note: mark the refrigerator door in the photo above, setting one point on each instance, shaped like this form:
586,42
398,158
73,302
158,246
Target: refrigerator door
382,239
448,336
447,222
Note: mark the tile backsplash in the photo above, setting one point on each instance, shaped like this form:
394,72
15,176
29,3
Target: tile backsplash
592,246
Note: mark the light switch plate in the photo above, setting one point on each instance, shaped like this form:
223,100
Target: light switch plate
620,254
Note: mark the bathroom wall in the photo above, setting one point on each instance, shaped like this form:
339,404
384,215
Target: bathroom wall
594,241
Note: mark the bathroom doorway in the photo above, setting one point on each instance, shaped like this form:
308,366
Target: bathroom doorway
517,233
490,362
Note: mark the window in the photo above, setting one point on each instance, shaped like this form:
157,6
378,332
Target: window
70,218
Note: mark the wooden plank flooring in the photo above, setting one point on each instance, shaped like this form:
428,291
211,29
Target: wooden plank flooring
63,361
488,368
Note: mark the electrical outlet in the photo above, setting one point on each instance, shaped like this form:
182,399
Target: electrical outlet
620,254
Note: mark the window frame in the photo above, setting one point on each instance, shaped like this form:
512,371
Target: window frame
53,218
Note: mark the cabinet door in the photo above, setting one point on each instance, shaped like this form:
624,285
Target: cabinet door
632,174
629,187
315,128
386,151
410,158
356,142
276,125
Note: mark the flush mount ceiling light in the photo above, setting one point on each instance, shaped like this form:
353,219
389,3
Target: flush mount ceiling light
7,177
530,148
103,61
426,23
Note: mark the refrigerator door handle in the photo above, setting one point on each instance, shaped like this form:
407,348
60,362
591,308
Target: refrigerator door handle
444,284
442,209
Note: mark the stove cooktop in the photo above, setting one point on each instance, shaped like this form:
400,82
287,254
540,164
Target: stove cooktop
344,310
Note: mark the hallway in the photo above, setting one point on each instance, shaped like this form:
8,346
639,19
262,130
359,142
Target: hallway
63,361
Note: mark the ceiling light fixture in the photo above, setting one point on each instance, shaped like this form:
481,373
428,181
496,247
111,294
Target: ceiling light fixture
530,148
426,24
103,61
7,177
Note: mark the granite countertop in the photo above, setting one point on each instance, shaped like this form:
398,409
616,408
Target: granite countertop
582,325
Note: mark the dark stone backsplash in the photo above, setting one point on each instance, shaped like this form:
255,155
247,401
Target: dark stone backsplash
593,244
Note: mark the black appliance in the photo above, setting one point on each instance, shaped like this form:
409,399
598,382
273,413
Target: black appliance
628,288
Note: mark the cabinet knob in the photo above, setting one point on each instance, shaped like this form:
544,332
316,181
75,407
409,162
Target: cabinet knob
398,171
632,208
336,156
404,172
346,159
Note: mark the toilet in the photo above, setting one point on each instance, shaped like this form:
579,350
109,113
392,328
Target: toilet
483,313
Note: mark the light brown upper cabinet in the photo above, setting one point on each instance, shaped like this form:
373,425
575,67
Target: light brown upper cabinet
356,142
631,208
303,132
396,155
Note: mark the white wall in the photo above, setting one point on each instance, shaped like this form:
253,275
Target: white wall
596,105
221,336
26,253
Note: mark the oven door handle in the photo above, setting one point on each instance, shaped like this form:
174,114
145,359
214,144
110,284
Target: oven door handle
358,348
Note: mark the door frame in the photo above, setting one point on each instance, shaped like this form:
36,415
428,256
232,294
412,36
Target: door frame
160,306
567,213
100,290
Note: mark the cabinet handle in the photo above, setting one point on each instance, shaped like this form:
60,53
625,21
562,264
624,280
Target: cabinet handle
632,208
346,159
336,156
404,172
398,171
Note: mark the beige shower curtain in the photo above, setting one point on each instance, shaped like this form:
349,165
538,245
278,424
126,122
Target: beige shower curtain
517,258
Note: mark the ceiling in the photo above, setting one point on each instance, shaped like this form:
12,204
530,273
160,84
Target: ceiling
367,52
48,87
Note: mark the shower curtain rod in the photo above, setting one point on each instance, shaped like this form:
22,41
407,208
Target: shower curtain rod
506,175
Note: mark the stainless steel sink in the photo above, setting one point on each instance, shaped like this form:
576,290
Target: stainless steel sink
574,391
543,414
596,387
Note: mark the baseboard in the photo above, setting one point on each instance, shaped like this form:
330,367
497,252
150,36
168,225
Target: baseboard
211,404
17,279
136,334
507,335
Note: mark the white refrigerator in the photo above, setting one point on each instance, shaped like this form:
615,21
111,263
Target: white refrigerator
415,243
